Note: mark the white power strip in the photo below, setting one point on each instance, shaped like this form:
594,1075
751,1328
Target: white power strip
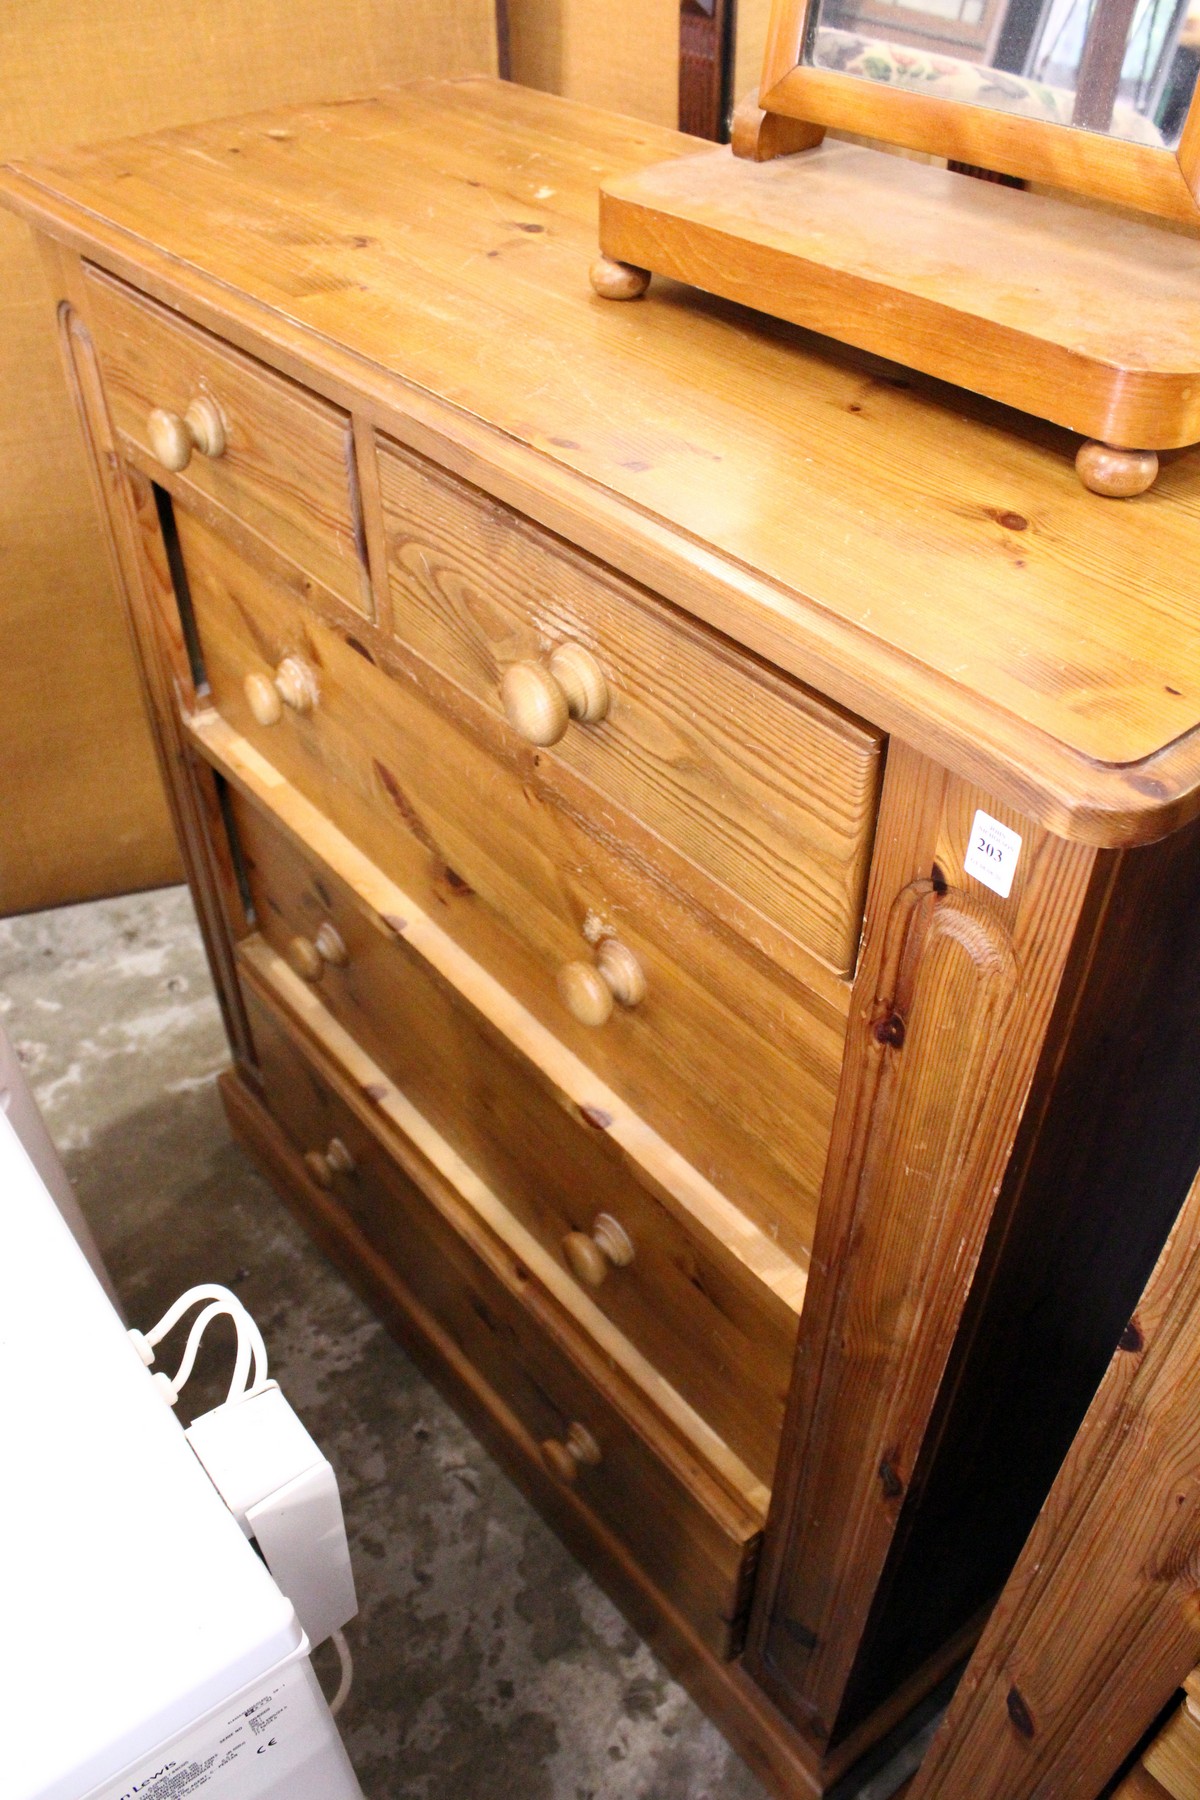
284,1495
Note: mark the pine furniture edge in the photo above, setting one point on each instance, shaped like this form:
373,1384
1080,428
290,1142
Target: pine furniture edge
1107,805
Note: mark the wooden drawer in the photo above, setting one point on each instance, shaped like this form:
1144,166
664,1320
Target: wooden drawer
286,470
728,1057
767,789
695,1541
719,1335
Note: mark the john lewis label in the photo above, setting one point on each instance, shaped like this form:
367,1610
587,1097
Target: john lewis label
993,854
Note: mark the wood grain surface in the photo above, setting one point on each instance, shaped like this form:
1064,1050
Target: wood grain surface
731,1058
958,984
759,782
1098,1624
719,1335
286,472
696,1541
78,824
971,281
1039,639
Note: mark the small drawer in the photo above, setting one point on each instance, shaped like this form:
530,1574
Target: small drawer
722,1338
733,1061
696,1542
277,458
766,788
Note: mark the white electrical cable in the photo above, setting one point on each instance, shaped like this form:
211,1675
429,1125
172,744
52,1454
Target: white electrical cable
216,1309
222,1303
343,1650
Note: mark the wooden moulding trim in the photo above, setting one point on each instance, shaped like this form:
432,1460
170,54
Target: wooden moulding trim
388,1103
1108,805
1146,176
697,1201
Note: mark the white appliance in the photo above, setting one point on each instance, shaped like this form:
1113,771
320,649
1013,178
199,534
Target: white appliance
146,1653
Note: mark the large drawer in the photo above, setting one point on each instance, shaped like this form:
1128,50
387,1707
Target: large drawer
719,1335
695,1541
283,466
730,1059
768,789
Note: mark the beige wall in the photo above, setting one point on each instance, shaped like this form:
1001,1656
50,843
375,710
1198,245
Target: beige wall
622,54
81,811
749,44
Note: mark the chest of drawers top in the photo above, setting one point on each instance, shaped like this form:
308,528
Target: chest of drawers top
925,559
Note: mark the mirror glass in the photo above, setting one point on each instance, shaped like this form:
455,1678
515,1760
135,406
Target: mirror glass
1126,68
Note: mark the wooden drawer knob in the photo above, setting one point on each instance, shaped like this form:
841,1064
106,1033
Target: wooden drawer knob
308,956
582,681
588,990
293,684
564,1457
621,972
324,1165
608,1247
585,993
173,438
539,703
331,946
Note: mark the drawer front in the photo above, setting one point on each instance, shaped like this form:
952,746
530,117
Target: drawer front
285,462
767,789
696,1546
728,1058
718,1335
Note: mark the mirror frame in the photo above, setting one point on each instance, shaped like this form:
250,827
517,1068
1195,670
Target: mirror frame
1150,178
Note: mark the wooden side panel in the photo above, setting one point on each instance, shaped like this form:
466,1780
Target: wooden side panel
951,1006
141,558
84,812
1099,1622
1114,1114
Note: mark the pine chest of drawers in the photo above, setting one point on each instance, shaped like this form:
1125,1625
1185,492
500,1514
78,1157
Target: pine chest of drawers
694,837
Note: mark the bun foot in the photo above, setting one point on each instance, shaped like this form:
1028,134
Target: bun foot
617,280
1117,474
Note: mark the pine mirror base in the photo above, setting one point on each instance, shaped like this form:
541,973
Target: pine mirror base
1088,318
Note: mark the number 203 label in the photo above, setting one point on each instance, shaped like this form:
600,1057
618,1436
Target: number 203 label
993,854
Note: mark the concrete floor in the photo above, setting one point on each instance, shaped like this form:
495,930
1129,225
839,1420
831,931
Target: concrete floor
487,1663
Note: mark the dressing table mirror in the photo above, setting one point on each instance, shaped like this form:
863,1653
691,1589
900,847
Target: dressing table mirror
1066,283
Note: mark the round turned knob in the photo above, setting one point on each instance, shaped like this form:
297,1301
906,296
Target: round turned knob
534,704
540,703
324,1165
331,946
622,973
565,1457
608,1247
1117,474
293,684
262,697
308,956
297,684
585,993
582,681
173,438
589,989
306,959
